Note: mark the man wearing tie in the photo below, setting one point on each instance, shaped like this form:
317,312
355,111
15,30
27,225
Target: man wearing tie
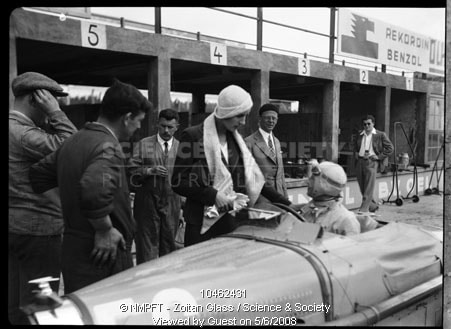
265,148
156,206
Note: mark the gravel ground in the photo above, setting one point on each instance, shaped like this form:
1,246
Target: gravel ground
427,211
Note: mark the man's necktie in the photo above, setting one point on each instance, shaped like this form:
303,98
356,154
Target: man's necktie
271,148
166,148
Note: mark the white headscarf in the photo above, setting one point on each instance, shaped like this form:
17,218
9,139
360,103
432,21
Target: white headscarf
232,101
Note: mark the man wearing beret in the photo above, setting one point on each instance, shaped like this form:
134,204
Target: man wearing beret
35,220
215,179
265,147
89,170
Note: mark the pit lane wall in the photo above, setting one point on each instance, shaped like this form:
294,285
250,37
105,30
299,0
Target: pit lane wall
297,188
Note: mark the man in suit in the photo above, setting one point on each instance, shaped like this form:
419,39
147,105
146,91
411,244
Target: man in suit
156,207
371,148
214,167
265,147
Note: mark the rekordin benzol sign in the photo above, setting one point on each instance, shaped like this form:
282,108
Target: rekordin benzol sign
373,40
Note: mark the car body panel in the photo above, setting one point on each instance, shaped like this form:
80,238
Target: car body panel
279,266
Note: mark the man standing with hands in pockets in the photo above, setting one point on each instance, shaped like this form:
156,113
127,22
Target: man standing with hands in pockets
372,147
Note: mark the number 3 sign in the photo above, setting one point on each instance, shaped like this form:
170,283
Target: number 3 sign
304,66
93,35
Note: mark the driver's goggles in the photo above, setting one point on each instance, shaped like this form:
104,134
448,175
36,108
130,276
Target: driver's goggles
316,170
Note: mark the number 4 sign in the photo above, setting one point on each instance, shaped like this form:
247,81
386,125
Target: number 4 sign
218,54
93,35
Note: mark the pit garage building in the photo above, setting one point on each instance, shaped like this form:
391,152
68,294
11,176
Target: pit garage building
332,97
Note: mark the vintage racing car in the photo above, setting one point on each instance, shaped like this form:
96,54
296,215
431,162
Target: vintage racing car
271,270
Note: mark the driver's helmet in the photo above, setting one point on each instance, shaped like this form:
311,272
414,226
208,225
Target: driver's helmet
327,179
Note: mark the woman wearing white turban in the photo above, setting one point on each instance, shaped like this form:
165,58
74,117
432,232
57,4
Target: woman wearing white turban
214,169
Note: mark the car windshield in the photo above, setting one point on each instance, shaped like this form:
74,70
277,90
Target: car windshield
271,222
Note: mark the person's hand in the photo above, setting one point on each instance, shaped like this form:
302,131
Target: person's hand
374,157
45,101
105,246
158,170
241,201
223,202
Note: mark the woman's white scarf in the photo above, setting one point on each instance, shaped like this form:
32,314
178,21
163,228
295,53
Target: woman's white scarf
222,179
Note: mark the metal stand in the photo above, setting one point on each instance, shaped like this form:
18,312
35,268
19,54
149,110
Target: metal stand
436,190
399,200
415,197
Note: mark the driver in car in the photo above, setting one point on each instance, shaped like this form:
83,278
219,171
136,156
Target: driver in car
325,187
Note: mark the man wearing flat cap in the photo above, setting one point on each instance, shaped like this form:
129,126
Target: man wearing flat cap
265,147
215,171
35,220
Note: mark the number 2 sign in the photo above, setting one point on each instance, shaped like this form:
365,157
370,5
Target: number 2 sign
218,54
363,76
93,35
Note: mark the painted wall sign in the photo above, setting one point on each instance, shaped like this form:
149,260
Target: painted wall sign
218,53
364,76
373,40
409,83
93,35
304,66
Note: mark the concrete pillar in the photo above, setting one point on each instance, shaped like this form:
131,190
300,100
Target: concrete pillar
260,96
447,176
198,103
197,106
383,110
331,109
422,131
159,86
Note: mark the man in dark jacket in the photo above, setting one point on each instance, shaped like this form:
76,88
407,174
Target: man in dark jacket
89,170
372,147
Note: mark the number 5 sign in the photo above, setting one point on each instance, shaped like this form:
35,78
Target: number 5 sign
93,35
218,54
